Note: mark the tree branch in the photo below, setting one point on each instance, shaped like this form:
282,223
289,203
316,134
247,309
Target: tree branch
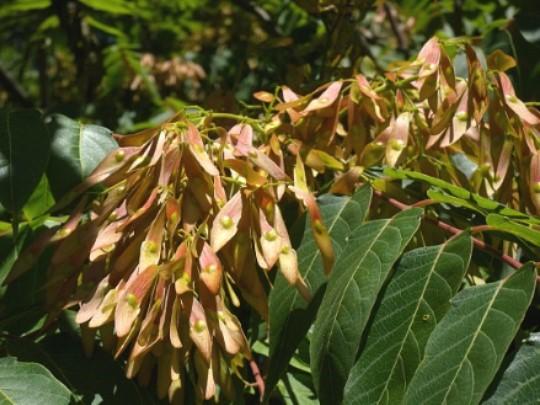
401,41
13,88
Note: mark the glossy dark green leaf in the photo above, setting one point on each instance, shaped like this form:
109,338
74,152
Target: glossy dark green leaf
77,149
29,384
9,252
290,315
295,389
24,152
97,379
353,287
467,347
520,383
39,202
416,299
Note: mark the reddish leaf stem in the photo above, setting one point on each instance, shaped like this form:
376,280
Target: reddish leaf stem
258,377
480,244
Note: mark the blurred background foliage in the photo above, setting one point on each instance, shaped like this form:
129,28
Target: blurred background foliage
130,64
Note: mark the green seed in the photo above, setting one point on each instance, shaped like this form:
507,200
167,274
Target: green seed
199,326
151,247
226,221
462,116
319,227
211,268
271,235
132,300
119,156
397,144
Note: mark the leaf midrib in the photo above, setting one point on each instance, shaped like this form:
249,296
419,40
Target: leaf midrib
7,397
473,340
409,327
310,267
342,296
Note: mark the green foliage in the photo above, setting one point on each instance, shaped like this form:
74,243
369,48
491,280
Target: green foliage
352,290
519,383
24,143
467,347
29,383
207,259
76,150
414,301
290,316
96,379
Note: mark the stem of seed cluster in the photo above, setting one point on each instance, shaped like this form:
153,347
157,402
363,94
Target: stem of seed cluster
258,377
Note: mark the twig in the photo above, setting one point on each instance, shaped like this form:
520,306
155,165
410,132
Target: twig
14,89
258,378
402,43
262,15
480,244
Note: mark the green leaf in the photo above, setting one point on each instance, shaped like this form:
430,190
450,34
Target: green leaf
520,383
290,315
416,298
521,231
29,384
467,347
97,379
295,390
117,7
460,197
9,252
444,198
39,202
355,282
76,150
24,152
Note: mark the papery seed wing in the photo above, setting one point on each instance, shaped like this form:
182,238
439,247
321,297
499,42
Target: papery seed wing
288,266
196,147
534,182
320,233
151,247
106,238
205,378
326,99
514,103
169,165
89,308
131,299
199,331
261,160
230,335
270,241
225,224
398,139
105,310
211,271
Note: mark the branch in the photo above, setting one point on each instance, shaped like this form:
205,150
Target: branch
14,89
402,43
479,244
262,15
